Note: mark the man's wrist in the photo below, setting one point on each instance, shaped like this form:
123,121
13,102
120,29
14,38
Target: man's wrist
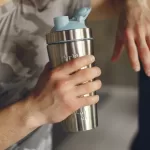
32,116
26,114
16,123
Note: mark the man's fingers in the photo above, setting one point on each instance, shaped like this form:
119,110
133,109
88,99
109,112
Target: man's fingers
89,100
132,50
75,64
148,41
118,48
85,75
87,88
145,57
143,50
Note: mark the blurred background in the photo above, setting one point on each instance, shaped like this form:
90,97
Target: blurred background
117,108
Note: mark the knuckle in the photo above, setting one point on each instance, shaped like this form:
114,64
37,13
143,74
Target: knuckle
60,85
92,86
140,32
127,32
91,73
69,103
144,49
143,52
74,63
53,74
140,28
96,85
86,73
138,25
132,51
87,88
89,100
65,99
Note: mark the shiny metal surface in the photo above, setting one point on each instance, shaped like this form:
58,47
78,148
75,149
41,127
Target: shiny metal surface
85,118
69,35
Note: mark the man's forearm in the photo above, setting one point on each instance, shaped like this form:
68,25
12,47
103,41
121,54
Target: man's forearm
13,124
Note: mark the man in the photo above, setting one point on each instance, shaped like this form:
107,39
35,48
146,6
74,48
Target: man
134,32
29,103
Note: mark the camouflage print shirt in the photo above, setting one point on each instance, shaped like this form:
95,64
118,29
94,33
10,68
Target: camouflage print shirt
23,54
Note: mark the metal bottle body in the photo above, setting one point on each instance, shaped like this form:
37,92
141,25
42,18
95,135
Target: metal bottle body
64,46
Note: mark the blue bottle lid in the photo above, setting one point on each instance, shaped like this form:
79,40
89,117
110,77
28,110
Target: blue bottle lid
76,22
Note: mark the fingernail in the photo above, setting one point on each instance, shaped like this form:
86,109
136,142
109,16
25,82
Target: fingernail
92,58
97,98
137,69
148,73
98,71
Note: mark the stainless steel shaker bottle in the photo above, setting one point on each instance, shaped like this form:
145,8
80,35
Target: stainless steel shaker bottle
69,39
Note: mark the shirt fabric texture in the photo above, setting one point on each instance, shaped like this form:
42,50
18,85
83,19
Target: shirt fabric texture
23,54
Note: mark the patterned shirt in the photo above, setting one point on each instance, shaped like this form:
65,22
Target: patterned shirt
23,54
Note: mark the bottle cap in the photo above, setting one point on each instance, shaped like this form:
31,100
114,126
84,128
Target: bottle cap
76,22
67,30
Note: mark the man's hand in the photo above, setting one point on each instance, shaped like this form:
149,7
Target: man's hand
60,92
57,95
134,33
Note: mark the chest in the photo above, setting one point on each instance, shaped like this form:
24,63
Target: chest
23,51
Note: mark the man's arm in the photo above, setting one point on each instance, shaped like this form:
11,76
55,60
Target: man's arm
133,33
14,124
50,102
